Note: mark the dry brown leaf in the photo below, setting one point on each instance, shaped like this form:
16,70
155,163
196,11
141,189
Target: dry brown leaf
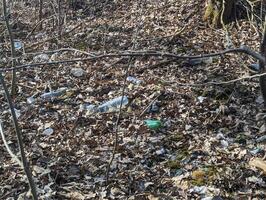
259,163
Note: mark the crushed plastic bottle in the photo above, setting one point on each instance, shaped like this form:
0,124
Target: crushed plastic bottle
113,104
89,108
133,80
48,131
51,95
77,72
41,58
153,124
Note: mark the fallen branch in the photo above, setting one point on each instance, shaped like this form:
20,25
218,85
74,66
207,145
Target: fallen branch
8,148
243,49
213,82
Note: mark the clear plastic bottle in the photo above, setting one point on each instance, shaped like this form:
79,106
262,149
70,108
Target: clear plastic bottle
113,104
133,80
51,95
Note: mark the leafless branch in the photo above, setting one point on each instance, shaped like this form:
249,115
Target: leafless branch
13,85
243,49
213,82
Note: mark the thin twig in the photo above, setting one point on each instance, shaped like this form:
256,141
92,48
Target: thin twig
60,50
26,167
52,38
215,83
117,125
244,50
38,24
12,46
7,146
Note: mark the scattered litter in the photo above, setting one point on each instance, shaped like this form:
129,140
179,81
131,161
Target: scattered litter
188,127
87,107
154,108
153,124
259,100
17,112
77,72
201,98
41,58
113,104
256,151
198,189
48,131
31,100
133,80
51,95
224,143
261,139
160,152
18,44
255,67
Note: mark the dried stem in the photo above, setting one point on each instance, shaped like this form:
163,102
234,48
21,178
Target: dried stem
243,49
117,125
6,16
26,167
13,155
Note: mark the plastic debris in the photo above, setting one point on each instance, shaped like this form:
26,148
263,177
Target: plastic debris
261,139
41,58
31,100
87,107
48,131
51,95
224,143
18,44
154,108
259,100
199,189
113,104
201,98
77,72
153,124
133,80
256,151
17,112
160,152
255,67
188,127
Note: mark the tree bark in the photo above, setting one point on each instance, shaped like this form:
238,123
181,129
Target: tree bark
219,11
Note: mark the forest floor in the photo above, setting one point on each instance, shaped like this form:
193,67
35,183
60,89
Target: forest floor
211,134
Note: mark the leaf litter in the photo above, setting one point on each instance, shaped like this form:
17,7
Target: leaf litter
210,144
